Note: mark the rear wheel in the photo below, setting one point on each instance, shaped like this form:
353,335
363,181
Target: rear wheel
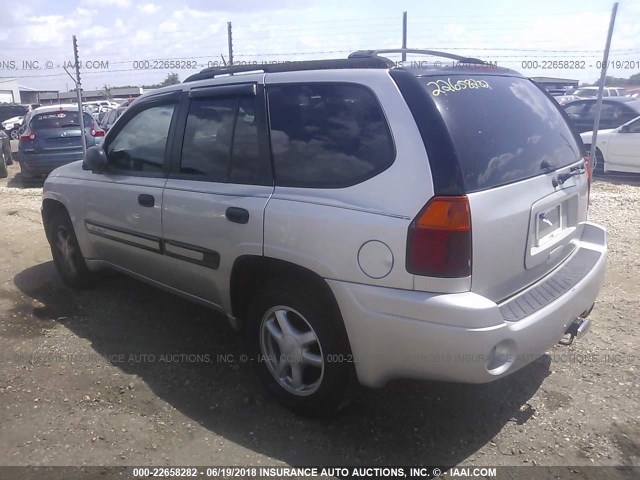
3,164
66,253
301,350
598,164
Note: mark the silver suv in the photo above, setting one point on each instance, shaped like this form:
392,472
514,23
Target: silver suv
348,216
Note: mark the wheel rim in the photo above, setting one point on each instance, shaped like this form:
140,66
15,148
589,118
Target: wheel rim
291,351
14,135
66,249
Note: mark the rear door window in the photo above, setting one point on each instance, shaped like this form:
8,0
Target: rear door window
504,129
327,135
221,142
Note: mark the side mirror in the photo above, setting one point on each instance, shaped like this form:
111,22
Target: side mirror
96,160
624,129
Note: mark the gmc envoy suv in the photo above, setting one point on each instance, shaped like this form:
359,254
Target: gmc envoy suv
350,217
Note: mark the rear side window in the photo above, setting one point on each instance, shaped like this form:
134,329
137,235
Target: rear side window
327,135
504,129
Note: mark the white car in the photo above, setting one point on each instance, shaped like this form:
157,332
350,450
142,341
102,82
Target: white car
617,149
11,126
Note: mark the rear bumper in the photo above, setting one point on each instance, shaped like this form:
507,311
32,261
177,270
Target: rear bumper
36,165
461,337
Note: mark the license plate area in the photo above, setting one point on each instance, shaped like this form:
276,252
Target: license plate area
549,224
552,226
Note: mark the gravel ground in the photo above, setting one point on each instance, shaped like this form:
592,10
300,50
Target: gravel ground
87,378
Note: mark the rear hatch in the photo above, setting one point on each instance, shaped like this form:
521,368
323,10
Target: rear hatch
59,131
522,169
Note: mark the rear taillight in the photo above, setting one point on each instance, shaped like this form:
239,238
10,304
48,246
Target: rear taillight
439,239
96,132
588,168
30,137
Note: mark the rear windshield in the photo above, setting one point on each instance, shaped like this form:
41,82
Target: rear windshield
504,129
60,119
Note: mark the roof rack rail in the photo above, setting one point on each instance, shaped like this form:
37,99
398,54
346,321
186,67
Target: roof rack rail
356,62
435,53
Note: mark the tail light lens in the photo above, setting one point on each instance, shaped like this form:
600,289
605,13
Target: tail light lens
439,239
587,167
29,137
97,132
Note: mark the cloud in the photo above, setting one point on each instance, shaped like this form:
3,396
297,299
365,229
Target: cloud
149,8
117,3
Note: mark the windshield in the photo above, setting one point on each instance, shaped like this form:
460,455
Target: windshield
504,129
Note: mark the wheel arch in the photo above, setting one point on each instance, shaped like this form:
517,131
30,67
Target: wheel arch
249,272
50,206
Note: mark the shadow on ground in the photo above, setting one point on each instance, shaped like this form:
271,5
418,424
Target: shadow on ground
408,422
19,182
619,178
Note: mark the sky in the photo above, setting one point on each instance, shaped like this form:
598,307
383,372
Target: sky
129,42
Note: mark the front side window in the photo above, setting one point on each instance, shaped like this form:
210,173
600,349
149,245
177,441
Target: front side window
634,127
327,135
140,144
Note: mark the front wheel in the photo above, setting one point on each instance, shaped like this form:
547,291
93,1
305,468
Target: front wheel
301,348
66,253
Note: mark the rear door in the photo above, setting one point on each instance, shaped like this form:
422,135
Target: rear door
219,186
522,169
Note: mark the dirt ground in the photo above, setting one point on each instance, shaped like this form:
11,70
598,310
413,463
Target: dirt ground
116,375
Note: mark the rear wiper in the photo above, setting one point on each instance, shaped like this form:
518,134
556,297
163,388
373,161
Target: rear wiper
573,171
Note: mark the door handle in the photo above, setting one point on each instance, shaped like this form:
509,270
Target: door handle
237,215
146,200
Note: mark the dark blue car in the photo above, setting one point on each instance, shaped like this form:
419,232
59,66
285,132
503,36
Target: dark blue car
53,138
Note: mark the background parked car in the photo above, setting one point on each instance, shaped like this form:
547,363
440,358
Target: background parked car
111,117
12,125
8,111
615,112
617,149
5,154
590,92
53,138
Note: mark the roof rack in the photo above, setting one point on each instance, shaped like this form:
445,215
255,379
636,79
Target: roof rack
435,53
356,62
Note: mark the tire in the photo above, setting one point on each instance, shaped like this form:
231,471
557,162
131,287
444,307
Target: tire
3,164
599,162
66,253
307,369
14,134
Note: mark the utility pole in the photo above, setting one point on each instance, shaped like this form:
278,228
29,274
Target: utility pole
79,96
230,41
603,76
404,35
